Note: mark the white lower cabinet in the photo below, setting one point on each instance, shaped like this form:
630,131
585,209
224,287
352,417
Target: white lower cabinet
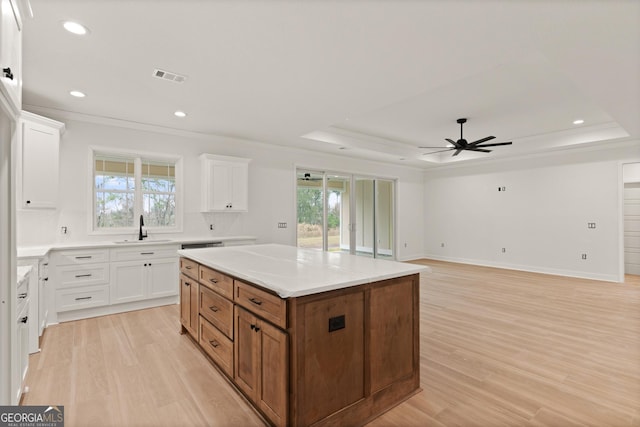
105,281
144,279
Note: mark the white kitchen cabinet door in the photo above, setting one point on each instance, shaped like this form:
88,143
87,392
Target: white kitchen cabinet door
162,277
137,280
11,52
39,163
128,281
225,183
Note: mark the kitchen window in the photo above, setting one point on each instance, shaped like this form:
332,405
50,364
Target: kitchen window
126,186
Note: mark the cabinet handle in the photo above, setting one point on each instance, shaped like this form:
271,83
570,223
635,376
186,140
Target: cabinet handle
187,284
257,329
213,280
253,326
28,202
83,298
82,257
214,343
24,319
22,295
83,275
7,73
214,308
255,301
188,267
146,253
46,279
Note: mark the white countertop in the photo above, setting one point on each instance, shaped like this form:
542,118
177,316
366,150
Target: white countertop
41,251
292,272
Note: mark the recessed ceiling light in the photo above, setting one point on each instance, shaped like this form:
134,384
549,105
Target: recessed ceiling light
77,94
75,28
180,114
578,122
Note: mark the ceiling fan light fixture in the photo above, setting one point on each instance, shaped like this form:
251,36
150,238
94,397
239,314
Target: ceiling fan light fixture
578,122
180,114
77,94
75,28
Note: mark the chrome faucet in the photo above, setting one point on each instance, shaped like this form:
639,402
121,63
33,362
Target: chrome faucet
141,235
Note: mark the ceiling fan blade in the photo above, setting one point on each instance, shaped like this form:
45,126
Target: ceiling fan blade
452,142
480,141
436,147
458,151
478,149
495,144
439,151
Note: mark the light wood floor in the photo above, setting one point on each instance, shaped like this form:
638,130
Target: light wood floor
498,348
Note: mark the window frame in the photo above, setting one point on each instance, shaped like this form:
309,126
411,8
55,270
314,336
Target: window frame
139,158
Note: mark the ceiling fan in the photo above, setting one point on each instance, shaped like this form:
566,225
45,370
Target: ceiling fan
308,177
462,143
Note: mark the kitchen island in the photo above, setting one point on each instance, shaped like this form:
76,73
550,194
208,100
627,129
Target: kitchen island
309,337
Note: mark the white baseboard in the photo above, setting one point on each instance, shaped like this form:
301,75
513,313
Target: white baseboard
529,268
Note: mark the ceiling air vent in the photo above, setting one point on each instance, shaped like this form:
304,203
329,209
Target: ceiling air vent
168,75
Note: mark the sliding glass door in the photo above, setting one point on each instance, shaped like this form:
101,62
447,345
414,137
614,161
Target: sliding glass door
374,217
340,212
310,201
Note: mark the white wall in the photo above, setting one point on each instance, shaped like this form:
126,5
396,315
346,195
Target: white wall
271,187
541,219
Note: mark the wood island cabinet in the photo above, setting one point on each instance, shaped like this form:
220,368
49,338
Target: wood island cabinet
189,296
339,357
189,305
261,364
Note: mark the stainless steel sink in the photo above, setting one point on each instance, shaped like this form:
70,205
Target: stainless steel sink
135,241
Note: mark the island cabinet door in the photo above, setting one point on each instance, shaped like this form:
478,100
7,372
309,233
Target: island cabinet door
394,337
189,304
261,365
246,353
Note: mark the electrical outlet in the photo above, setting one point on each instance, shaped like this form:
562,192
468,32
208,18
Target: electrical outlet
504,250
64,229
502,188
405,244
584,256
282,225
442,245
591,225
212,227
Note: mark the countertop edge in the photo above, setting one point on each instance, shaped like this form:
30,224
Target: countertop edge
286,293
40,251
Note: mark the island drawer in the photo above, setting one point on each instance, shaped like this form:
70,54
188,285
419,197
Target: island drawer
217,281
268,306
189,268
217,346
217,309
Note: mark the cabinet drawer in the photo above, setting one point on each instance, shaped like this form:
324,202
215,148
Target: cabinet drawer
188,267
217,309
218,346
82,256
144,252
268,306
91,274
78,298
217,281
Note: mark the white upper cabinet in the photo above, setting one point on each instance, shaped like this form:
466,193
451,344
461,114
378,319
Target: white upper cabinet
225,183
11,53
38,160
